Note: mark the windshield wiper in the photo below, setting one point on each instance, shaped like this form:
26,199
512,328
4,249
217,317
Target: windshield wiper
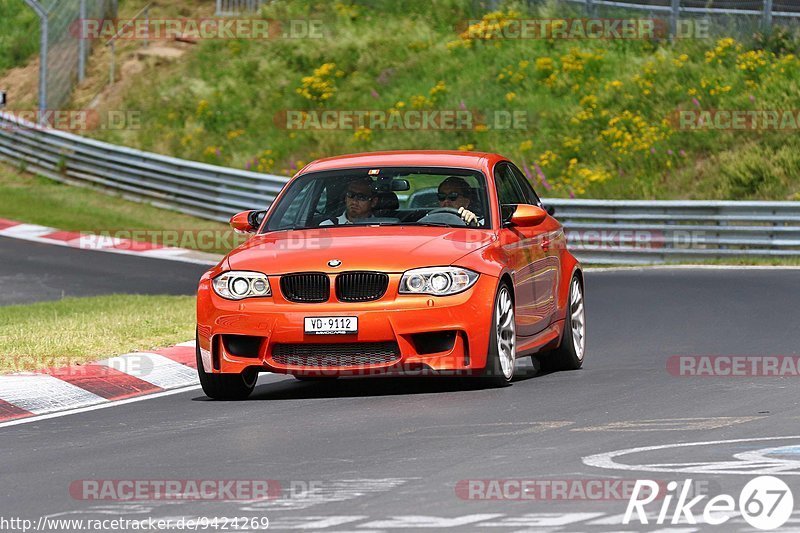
434,224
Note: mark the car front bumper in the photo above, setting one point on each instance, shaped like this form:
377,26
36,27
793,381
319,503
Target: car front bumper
424,333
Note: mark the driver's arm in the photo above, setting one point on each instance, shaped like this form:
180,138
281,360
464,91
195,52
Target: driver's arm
470,218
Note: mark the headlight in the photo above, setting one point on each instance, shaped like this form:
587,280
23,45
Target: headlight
237,285
438,281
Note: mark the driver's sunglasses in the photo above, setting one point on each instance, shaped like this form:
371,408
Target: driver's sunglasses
359,196
452,196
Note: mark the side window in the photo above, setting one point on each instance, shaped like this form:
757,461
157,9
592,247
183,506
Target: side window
525,185
297,209
508,190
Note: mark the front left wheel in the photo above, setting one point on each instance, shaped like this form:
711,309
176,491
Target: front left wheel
225,386
502,354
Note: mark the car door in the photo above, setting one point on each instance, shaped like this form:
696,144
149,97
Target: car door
524,254
548,266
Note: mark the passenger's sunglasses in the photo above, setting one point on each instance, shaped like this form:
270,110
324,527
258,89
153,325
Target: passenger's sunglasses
452,196
358,196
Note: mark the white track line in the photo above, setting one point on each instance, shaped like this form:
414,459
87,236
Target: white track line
153,368
96,407
41,393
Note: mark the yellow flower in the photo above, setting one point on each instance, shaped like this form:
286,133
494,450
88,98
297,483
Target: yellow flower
420,102
545,64
202,107
362,134
320,85
546,158
466,147
510,96
524,146
440,87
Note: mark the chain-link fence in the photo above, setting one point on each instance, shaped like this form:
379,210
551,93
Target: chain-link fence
230,8
63,52
738,16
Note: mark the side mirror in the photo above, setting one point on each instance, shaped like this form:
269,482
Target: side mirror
528,215
247,221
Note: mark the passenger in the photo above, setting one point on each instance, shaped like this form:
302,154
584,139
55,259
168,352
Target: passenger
360,199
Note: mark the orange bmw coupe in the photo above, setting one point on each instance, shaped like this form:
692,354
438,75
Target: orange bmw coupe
393,263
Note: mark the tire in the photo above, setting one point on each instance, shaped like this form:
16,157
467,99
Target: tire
570,354
499,370
225,386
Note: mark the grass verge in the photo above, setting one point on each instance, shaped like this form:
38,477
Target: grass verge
19,34
79,330
599,117
38,200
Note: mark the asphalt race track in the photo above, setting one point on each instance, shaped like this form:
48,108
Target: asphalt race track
33,272
390,454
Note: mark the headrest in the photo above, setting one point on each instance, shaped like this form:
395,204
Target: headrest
387,200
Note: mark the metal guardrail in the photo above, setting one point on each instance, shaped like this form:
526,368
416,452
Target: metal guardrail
599,231
194,188
647,232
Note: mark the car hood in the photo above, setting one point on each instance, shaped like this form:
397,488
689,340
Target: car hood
386,249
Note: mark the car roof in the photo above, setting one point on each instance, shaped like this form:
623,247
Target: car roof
406,158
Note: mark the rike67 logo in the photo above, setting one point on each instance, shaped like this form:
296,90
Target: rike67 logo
765,503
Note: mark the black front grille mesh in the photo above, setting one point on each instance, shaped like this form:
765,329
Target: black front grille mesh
309,287
361,286
346,354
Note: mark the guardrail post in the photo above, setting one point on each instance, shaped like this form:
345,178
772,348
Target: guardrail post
147,25
767,15
111,65
674,16
82,42
590,7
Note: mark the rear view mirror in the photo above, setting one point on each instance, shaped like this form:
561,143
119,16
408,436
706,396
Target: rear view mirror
400,185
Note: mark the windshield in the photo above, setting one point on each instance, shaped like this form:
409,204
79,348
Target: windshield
383,196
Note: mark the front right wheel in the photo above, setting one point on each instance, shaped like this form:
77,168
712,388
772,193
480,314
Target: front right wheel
225,386
569,356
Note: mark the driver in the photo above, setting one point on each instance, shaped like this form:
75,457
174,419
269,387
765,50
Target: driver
454,192
359,199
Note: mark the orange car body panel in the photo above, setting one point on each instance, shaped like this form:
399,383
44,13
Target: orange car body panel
535,259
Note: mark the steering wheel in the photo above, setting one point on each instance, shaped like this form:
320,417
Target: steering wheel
452,211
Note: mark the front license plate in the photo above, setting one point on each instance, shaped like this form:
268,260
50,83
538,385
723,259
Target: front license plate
331,325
